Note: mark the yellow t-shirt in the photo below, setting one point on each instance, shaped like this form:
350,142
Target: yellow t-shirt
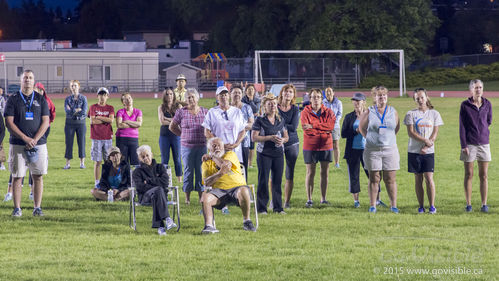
180,95
230,180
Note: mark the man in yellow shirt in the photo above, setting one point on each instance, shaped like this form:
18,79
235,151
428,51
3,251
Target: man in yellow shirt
180,90
222,171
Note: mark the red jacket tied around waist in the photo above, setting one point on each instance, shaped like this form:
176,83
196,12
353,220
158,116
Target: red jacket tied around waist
319,136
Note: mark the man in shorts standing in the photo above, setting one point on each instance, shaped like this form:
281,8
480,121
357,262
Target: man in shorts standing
101,131
222,171
27,118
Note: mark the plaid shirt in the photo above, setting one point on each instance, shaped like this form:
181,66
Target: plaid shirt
190,125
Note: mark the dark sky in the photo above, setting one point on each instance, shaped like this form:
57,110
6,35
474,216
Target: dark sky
64,4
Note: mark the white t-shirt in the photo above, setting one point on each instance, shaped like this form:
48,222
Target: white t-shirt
226,127
423,123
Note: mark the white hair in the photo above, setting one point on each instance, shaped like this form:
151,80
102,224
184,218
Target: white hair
194,92
144,148
210,142
475,81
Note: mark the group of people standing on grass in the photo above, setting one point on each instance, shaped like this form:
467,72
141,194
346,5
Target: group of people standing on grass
242,119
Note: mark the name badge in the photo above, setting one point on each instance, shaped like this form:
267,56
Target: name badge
382,130
29,115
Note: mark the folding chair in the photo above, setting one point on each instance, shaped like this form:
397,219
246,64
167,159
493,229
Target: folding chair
172,198
252,200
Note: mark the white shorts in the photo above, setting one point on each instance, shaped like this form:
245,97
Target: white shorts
18,164
382,158
477,152
98,151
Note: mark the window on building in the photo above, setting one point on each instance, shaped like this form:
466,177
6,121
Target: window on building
107,73
20,70
95,72
58,71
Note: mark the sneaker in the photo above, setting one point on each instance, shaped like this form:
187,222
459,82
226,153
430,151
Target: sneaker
161,231
248,226
356,204
17,212
263,213
468,209
380,203
7,197
170,223
208,229
394,210
225,210
337,165
372,209
433,210
325,202
287,206
309,204
484,209
31,196
66,167
37,212
280,212
421,210
2,167
82,166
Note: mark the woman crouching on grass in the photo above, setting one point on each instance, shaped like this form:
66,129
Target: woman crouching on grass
115,176
422,126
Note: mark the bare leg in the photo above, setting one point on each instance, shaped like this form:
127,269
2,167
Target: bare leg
82,161
99,194
209,201
244,201
430,188
468,179
17,192
97,170
374,178
309,180
288,190
188,197
37,190
355,196
324,179
389,177
483,170
250,157
418,186
336,151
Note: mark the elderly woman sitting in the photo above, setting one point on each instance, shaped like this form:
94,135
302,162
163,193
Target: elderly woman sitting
115,176
151,181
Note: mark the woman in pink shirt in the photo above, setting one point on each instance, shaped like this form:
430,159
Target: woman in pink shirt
128,121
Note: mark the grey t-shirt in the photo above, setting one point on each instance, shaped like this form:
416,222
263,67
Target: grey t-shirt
423,123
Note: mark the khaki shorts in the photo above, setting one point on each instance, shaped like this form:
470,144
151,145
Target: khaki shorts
336,134
477,152
18,164
382,158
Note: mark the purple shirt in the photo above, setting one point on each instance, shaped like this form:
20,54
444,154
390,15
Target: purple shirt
190,125
474,122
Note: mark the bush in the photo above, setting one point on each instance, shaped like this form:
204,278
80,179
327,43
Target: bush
429,77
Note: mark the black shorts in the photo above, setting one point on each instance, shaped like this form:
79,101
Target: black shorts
226,196
420,163
312,156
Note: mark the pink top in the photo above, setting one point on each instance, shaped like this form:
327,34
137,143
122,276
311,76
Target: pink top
128,132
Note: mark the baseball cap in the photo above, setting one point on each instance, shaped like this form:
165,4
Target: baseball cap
221,89
181,77
113,149
359,96
102,90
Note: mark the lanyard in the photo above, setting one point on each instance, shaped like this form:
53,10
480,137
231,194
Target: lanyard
381,118
25,102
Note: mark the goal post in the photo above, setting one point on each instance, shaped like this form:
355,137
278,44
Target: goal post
258,76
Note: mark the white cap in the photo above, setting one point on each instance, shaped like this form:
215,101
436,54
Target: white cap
221,89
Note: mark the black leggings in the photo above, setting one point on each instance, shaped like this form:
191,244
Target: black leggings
128,147
265,166
291,153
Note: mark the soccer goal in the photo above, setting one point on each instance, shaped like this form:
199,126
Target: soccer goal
258,74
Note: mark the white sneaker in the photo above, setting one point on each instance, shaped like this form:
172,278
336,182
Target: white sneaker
31,196
2,167
7,197
161,231
170,223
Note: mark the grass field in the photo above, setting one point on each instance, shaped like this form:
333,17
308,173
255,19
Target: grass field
82,239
